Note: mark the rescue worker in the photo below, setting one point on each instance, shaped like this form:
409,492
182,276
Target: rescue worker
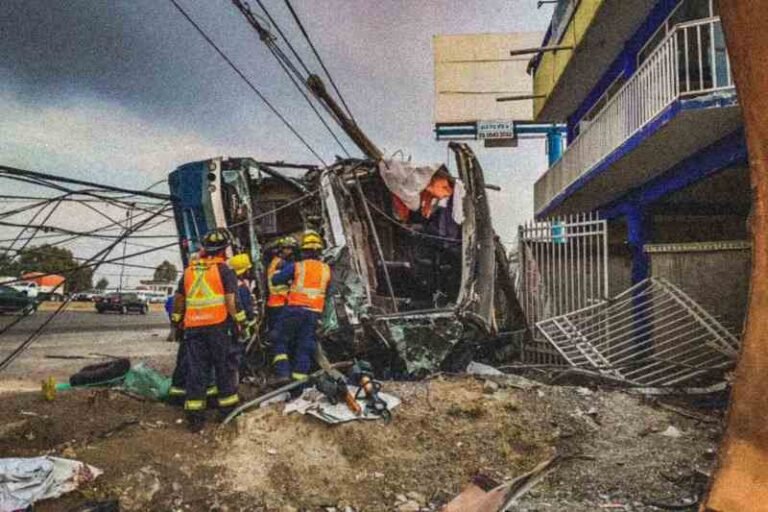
241,265
309,280
278,296
205,304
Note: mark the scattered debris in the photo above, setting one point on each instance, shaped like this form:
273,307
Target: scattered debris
652,334
501,498
475,368
27,481
672,432
316,404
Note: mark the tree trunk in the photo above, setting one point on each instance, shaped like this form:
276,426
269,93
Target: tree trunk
740,482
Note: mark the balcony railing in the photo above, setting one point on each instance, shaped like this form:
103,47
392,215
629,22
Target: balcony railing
691,60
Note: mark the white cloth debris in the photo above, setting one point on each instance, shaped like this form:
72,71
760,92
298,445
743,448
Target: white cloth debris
316,404
474,368
406,181
24,481
458,202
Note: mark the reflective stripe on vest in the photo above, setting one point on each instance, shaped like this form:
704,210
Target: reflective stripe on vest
278,294
204,292
310,281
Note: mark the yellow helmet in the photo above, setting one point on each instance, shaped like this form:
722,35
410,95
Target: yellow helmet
311,241
240,263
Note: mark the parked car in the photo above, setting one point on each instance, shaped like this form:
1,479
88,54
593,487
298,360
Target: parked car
122,303
14,301
85,296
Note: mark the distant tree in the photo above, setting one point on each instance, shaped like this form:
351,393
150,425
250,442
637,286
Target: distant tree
102,284
166,272
8,266
56,260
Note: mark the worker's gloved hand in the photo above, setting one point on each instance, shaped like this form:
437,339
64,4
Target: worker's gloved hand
176,318
240,320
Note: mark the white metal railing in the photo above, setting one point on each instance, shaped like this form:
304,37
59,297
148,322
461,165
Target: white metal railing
691,60
562,266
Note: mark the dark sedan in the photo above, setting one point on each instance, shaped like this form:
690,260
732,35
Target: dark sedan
122,303
14,301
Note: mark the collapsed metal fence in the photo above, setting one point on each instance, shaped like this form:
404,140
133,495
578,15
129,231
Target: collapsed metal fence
563,266
652,334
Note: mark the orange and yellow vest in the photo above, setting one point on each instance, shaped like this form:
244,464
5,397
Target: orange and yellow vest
278,294
310,281
204,293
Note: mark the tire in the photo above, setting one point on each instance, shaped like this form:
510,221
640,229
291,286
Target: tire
96,373
28,310
123,310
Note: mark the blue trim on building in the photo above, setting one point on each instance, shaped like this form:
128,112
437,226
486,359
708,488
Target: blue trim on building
626,62
728,151
711,101
627,147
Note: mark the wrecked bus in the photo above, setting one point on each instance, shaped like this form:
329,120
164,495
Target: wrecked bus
420,280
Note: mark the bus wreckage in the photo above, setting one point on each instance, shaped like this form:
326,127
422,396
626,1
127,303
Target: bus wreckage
420,281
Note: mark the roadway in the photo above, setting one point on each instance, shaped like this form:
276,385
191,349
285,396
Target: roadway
82,321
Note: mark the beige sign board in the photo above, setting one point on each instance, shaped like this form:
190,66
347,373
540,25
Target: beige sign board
472,70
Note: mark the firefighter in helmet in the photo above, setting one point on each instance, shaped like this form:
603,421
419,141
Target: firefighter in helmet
278,297
308,282
205,305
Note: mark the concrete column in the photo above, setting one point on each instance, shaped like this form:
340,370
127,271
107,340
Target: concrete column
637,233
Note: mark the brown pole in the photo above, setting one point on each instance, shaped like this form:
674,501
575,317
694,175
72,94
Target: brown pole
740,482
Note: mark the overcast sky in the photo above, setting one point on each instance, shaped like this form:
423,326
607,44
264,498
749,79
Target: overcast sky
122,92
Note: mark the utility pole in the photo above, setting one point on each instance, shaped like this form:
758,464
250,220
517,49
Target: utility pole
369,149
740,481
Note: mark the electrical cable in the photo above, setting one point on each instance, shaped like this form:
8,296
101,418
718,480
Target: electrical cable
26,173
247,81
103,254
293,73
410,230
81,233
319,59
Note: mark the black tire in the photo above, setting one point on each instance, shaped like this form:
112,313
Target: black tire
96,373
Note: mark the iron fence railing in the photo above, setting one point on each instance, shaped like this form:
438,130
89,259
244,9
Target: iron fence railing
652,334
562,266
690,60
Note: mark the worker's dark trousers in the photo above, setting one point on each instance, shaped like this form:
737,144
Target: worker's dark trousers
178,390
208,349
297,332
280,358
179,377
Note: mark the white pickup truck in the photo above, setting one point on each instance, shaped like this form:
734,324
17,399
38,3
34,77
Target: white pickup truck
29,288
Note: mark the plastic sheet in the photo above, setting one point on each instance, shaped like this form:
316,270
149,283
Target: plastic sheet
24,481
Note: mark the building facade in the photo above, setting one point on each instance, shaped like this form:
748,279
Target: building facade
655,143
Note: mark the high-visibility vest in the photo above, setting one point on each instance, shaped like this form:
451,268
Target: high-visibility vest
310,281
278,293
204,293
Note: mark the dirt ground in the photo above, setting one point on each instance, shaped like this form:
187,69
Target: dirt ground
446,432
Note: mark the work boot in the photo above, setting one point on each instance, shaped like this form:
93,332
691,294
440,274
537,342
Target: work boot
195,423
